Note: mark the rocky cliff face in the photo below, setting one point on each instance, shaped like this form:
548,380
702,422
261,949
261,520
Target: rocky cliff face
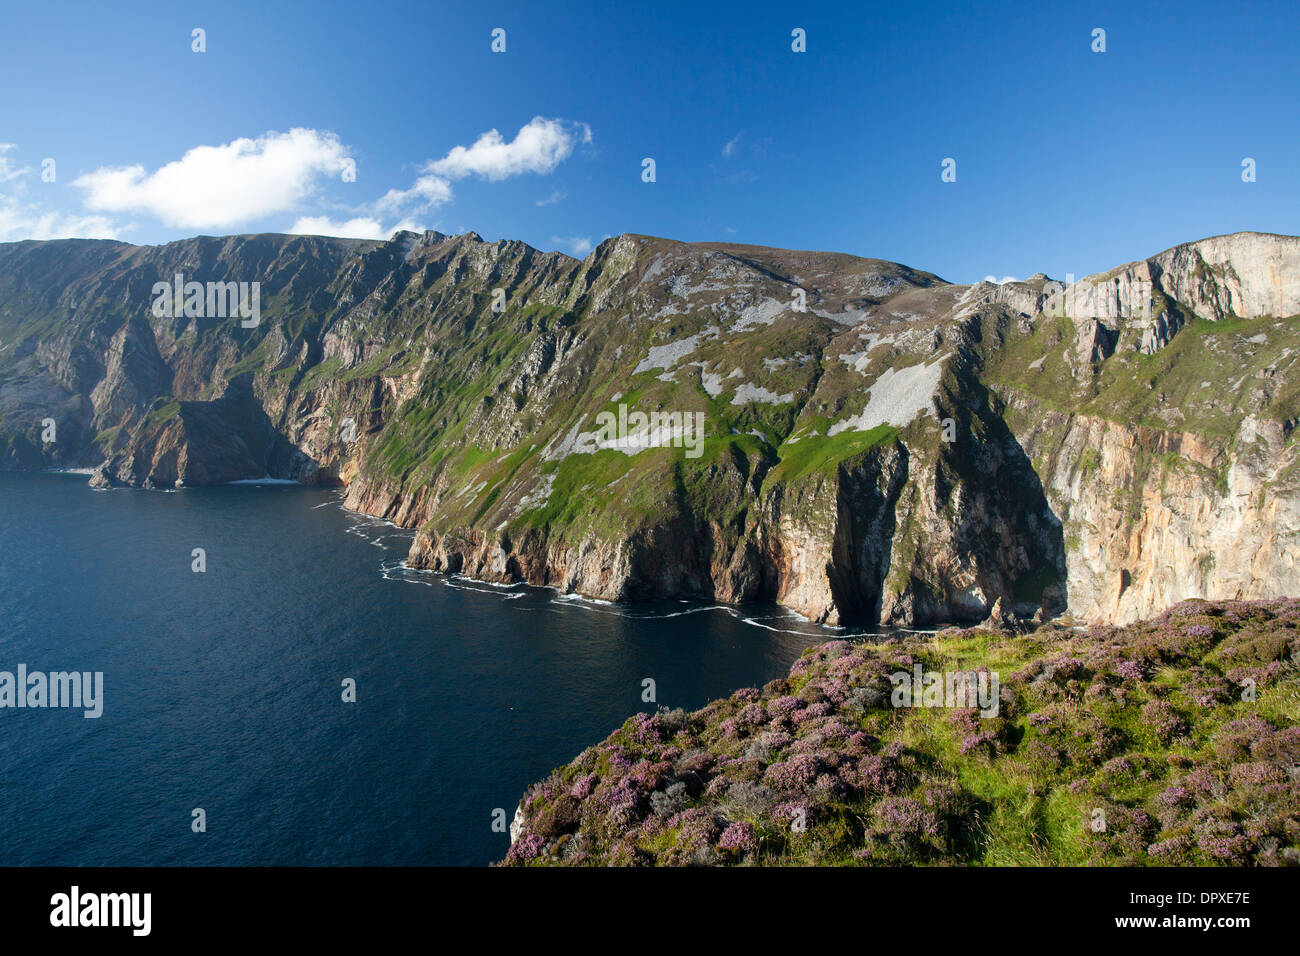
857,440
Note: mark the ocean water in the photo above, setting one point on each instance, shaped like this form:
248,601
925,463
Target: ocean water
223,689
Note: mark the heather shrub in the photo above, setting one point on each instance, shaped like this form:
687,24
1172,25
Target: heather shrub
739,838
1134,671
977,734
747,799
1233,741
665,803
905,827
1146,722
1080,738
1124,840
1162,722
1205,688
556,817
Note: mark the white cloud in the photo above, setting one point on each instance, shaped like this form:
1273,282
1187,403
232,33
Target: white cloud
7,169
577,245
730,149
21,218
361,227
247,180
552,199
221,186
538,147
25,221
428,192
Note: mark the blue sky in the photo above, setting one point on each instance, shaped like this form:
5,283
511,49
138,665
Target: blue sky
1067,161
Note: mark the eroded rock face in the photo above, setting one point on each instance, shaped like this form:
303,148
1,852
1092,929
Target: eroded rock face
1096,342
1246,274
879,445
1155,523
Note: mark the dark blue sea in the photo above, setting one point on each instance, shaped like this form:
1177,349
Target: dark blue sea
222,689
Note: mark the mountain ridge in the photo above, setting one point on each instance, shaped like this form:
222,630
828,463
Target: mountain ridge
894,448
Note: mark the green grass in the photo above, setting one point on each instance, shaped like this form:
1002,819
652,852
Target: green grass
822,455
163,411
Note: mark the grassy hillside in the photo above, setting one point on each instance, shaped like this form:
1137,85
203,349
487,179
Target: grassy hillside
1128,746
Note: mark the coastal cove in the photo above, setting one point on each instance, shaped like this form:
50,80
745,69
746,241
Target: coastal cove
222,690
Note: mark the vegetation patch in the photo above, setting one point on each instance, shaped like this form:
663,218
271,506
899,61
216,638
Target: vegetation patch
1173,741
